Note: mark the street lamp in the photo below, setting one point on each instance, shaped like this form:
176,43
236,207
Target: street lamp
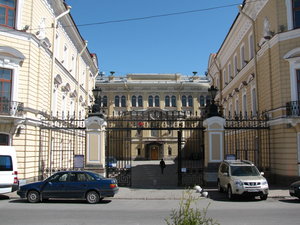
213,108
96,108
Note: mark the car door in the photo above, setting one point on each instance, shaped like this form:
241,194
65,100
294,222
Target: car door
77,185
54,187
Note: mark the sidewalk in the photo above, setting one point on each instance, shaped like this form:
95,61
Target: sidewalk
170,194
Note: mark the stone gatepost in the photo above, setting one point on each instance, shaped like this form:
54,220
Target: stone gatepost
214,147
95,144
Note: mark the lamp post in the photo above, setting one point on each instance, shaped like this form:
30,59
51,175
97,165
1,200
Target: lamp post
213,108
97,106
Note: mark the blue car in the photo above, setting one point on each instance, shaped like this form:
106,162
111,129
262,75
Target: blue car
70,184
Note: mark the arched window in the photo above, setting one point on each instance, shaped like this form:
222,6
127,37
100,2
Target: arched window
123,101
140,101
156,101
183,99
190,100
202,100
104,101
4,139
167,101
117,101
133,101
173,101
150,101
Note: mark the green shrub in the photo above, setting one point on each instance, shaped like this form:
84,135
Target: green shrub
189,215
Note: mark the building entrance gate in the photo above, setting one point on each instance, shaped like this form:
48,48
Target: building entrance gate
151,135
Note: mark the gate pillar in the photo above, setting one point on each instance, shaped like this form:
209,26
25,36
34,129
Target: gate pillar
95,144
214,147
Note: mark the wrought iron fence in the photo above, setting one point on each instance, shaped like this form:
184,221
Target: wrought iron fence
11,108
293,108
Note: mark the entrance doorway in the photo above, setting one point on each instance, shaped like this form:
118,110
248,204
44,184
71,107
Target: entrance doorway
154,152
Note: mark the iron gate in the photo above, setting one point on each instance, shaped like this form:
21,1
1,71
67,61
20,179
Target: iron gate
62,145
155,134
248,139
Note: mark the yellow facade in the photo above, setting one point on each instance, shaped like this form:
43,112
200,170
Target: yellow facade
52,75
263,46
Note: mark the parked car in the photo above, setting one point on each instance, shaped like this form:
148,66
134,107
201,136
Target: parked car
295,189
70,184
111,162
241,178
8,170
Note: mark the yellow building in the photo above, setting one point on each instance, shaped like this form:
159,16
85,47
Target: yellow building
157,96
46,73
257,69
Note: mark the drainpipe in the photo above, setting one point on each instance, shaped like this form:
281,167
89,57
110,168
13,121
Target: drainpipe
78,76
53,52
255,53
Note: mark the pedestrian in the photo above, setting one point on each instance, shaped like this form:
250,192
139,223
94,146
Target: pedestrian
162,165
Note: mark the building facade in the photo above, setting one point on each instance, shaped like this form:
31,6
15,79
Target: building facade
257,70
46,73
157,93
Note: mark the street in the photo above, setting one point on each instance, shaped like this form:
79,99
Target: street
147,212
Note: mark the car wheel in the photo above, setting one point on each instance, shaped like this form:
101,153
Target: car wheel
263,197
92,197
220,189
230,196
33,196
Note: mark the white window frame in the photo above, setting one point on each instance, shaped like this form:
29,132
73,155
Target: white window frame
235,64
230,76
242,56
251,46
254,100
225,82
65,55
289,14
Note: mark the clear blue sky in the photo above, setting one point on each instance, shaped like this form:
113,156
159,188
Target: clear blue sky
168,44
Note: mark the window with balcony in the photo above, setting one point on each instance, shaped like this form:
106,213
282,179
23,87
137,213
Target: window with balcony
133,101
7,13
167,101
5,90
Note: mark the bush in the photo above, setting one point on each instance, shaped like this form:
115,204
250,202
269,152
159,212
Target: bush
189,215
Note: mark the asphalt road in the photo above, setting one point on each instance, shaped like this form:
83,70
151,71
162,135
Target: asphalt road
147,212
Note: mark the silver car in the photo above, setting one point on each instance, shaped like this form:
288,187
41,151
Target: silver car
241,178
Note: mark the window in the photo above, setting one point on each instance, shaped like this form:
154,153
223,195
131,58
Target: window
117,101
4,139
173,101
224,78
104,101
6,163
251,47
296,13
235,65
150,101
123,101
140,101
133,101
202,100
190,101
229,72
167,101
243,62
237,109
7,13
244,104
138,151
253,94
183,99
156,101
208,99
65,60
5,88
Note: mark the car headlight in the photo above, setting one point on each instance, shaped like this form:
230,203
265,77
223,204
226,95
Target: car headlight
238,183
265,183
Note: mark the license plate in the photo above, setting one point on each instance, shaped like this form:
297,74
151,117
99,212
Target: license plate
253,190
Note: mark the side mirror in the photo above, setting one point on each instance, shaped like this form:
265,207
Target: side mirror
262,173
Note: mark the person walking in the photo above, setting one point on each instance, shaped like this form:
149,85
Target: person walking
162,165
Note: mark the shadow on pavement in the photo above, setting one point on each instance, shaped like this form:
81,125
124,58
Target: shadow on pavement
3,197
292,200
221,197
56,201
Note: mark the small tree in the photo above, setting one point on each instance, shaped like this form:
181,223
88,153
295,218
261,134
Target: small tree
189,215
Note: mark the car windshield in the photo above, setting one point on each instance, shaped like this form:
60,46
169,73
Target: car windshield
244,171
98,176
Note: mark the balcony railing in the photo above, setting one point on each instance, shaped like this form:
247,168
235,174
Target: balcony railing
293,108
11,108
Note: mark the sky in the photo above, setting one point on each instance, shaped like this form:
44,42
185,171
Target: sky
179,43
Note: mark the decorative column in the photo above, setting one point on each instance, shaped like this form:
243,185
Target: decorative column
214,147
95,144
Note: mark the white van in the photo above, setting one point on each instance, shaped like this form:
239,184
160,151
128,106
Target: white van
8,170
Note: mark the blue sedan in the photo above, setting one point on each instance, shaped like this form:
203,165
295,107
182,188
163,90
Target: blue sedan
70,184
